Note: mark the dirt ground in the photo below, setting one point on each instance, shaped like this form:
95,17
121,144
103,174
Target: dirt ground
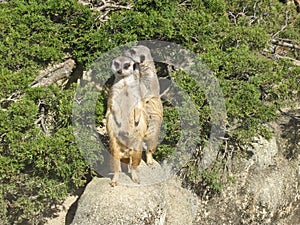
66,212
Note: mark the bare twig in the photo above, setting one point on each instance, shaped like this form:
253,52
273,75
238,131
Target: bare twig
255,8
12,98
2,136
111,5
236,16
284,26
105,5
185,3
42,118
254,17
285,44
85,3
285,40
103,17
276,56
295,61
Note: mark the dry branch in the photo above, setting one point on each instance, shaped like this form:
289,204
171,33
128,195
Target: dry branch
285,44
276,56
85,3
51,75
252,18
295,61
284,26
54,73
12,98
42,118
105,7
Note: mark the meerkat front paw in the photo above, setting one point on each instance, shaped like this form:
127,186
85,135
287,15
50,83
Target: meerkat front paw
114,179
113,183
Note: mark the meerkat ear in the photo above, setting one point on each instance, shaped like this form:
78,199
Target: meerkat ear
132,51
142,58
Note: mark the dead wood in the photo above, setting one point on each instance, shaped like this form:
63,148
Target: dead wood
105,7
55,73
285,44
51,75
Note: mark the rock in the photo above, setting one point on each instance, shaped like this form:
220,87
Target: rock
181,204
264,151
258,196
103,204
266,186
157,201
61,216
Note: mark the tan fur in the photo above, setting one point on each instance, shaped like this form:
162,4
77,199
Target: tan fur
126,119
150,95
154,112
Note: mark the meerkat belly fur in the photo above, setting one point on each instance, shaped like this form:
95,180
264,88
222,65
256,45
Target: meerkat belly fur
126,118
150,96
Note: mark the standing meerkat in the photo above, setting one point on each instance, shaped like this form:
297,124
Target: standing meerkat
150,96
126,122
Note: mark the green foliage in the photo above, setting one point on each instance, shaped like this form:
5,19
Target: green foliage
171,130
38,169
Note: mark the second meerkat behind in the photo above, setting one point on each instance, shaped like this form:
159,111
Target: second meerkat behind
150,96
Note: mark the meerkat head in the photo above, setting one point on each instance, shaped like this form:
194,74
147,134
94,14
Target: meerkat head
139,53
123,66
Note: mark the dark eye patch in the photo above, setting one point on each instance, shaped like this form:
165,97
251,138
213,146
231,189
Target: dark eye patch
117,65
142,58
126,66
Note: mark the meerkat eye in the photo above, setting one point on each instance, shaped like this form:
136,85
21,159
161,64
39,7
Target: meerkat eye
126,66
143,57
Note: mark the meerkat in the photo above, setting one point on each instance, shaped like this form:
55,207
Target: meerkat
150,91
126,122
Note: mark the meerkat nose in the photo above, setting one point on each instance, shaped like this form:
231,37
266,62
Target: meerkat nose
119,71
